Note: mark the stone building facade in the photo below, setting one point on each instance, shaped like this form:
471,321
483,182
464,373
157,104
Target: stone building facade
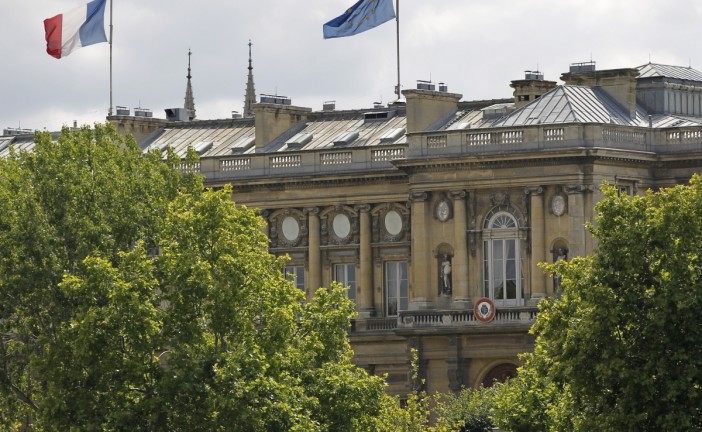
426,207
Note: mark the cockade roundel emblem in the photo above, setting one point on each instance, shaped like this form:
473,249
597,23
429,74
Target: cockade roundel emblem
484,310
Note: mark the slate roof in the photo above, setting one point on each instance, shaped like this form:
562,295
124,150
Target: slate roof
228,137
573,104
654,70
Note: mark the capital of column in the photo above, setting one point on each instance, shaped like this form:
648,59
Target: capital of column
362,208
311,210
458,195
418,196
578,188
534,190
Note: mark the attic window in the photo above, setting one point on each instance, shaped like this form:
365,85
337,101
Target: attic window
203,146
378,115
346,138
299,140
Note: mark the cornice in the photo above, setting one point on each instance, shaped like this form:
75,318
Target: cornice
277,183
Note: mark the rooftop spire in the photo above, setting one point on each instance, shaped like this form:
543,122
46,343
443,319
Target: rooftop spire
189,99
250,97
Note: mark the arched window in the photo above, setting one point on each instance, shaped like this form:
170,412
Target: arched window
503,280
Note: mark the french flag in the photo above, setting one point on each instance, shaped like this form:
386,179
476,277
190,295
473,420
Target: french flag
80,27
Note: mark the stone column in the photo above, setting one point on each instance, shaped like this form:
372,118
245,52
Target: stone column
421,264
538,242
365,304
314,252
461,295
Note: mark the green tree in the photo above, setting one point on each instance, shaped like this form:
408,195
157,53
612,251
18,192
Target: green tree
133,299
470,410
621,348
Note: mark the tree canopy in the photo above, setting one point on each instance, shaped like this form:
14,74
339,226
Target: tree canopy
131,298
620,348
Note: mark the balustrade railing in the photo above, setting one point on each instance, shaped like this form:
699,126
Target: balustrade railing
524,316
420,319
454,142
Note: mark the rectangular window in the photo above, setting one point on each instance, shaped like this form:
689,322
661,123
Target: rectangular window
396,287
345,274
296,274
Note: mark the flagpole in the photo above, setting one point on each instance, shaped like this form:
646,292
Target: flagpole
110,111
397,20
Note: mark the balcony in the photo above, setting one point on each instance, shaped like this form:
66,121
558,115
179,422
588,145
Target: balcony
450,319
311,162
555,137
467,142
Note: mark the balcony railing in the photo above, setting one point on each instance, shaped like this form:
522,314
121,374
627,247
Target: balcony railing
550,137
423,319
451,318
484,142
301,162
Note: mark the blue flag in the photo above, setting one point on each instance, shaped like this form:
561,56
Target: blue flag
360,17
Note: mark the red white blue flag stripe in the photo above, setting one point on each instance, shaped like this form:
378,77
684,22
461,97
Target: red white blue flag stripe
80,27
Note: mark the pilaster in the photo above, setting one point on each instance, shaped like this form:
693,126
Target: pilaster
538,242
461,295
314,251
365,305
421,286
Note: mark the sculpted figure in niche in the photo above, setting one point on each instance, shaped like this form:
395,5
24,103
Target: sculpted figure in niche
445,285
560,253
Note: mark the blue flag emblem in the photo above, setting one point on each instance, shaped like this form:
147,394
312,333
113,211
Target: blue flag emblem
362,16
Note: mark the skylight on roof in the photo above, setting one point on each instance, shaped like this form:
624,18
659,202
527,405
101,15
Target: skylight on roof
392,135
155,147
299,140
203,146
243,144
346,138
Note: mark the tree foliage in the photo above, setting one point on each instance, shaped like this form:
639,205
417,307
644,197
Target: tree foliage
621,348
131,298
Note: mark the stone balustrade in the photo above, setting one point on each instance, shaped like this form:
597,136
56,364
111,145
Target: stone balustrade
444,319
454,142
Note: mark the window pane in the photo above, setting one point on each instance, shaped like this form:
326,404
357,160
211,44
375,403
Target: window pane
345,274
511,289
396,287
497,253
296,274
511,268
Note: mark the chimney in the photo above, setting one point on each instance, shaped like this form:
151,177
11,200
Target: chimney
620,84
532,87
274,118
426,107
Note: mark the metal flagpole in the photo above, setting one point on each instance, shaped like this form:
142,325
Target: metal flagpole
110,111
397,19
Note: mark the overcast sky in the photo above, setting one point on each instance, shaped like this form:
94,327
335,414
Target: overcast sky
476,47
